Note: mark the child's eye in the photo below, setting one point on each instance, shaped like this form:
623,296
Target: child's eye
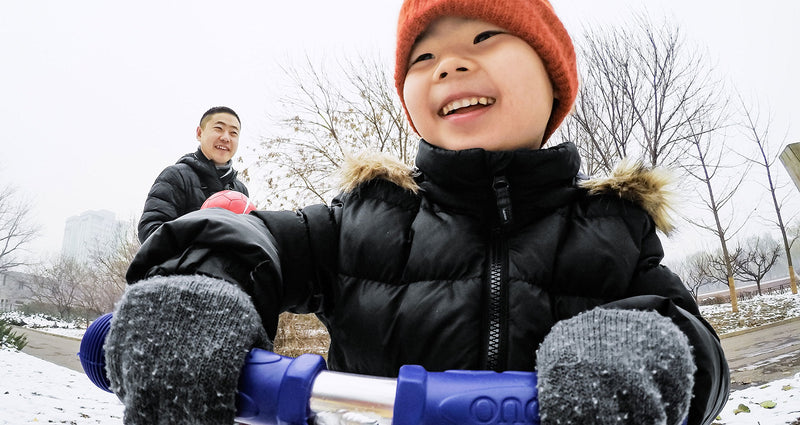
422,57
484,36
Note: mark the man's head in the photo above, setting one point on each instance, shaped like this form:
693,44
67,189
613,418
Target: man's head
515,44
218,134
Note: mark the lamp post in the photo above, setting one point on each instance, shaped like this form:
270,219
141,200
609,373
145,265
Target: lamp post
790,157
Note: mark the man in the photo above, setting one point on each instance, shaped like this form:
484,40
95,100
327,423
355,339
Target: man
183,187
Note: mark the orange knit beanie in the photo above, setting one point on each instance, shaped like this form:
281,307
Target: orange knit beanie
531,20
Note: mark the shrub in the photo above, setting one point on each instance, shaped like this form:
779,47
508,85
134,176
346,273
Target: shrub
9,338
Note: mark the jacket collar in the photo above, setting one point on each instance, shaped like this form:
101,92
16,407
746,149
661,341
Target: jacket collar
206,169
537,179
467,180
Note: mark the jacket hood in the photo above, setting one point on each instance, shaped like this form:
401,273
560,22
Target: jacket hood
630,180
366,166
646,187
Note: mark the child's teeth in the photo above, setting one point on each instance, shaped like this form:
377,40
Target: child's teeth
463,103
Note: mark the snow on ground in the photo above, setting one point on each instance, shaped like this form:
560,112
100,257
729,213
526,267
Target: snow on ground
33,391
44,323
753,312
771,404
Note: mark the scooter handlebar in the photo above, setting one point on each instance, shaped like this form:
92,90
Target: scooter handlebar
274,389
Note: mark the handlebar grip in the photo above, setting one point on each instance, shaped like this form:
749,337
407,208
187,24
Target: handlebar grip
274,389
465,397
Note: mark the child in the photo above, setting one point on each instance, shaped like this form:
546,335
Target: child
184,186
493,254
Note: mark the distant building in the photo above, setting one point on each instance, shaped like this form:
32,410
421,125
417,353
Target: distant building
89,233
14,290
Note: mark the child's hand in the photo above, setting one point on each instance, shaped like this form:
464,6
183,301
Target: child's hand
176,347
615,367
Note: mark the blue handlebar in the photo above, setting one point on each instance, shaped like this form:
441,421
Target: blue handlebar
465,397
274,389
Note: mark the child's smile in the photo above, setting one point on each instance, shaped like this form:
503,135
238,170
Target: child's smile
466,105
471,84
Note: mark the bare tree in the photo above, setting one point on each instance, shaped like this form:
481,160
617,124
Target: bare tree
759,134
716,192
793,233
326,118
717,265
643,91
695,271
16,228
107,272
758,255
59,285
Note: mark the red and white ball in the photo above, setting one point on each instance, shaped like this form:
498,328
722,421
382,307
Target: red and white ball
230,200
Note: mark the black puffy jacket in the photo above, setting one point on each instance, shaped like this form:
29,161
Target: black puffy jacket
466,264
182,188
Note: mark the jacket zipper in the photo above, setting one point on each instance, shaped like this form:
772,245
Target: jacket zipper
498,279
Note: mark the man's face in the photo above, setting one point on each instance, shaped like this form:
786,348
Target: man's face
219,137
471,84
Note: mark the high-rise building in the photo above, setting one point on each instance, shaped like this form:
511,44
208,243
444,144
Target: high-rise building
90,233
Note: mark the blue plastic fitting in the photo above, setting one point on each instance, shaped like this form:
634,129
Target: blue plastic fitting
465,397
274,389
92,355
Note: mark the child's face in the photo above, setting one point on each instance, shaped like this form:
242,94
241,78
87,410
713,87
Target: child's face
471,84
219,137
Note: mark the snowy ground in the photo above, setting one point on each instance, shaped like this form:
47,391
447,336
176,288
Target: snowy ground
33,391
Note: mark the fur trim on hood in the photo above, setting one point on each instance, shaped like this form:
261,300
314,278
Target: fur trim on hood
630,181
367,166
645,187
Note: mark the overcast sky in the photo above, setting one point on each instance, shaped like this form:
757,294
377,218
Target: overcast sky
97,97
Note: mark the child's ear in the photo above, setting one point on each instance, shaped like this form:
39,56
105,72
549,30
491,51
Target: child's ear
199,132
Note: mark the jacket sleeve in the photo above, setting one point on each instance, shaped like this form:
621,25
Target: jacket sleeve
163,202
655,287
283,260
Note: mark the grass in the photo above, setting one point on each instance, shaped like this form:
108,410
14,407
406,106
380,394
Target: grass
753,312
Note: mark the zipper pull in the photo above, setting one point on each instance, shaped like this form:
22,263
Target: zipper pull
502,193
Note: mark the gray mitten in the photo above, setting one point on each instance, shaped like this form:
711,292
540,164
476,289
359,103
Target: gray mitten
615,367
176,348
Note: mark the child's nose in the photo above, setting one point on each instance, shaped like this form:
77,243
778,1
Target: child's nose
459,69
450,65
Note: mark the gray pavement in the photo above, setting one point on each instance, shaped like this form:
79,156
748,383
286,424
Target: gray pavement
57,349
764,354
